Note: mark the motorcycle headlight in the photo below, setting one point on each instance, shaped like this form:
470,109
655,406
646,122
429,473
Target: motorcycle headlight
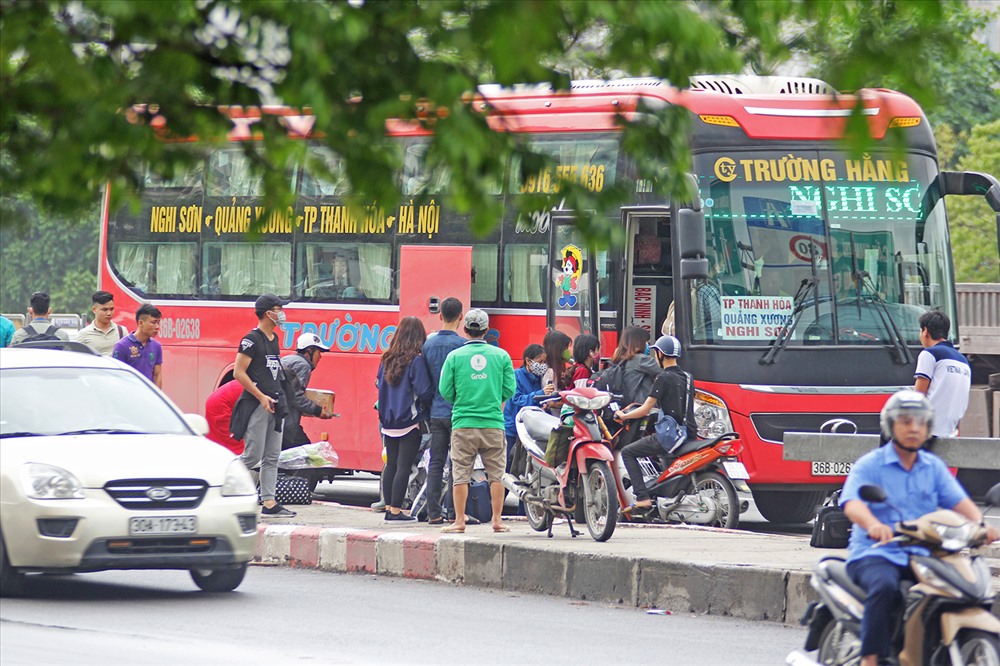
711,415
600,401
238,480
48,482
954,537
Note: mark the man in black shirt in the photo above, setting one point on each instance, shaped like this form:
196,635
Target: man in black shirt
673,392
263,403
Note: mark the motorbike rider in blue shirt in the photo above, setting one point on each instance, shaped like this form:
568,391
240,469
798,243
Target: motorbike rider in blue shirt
916,482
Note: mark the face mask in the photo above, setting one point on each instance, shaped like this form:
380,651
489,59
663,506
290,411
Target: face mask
567,354
279,317
646,352
536,368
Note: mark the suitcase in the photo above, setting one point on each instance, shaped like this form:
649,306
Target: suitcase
478,505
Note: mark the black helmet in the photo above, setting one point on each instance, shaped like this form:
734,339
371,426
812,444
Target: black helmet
668,345
909,402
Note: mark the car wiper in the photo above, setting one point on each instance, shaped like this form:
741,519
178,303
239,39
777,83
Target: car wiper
902,352
102,431
21,433
807,287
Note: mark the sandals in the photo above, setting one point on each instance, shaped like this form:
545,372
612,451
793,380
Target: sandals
501,528
636,508
436,521
453,529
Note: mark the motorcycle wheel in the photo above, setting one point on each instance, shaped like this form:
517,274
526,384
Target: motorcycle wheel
839,646
538,517
979,648
601,501
716,487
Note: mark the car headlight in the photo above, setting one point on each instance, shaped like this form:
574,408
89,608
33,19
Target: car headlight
711,415
954,537
47,482
238,480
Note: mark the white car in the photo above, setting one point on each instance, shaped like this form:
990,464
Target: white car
100,470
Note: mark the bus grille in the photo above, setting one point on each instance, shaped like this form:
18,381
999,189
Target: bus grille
772,427
152,494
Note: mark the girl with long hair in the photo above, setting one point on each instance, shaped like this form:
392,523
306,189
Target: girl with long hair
586,359
404,398
557,355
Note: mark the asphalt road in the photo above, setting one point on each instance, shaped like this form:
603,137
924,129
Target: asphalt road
284,616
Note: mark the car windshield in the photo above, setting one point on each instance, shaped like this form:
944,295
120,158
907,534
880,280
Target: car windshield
53,401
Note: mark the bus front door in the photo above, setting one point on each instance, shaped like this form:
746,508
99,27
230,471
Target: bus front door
428,274
649,279
572,297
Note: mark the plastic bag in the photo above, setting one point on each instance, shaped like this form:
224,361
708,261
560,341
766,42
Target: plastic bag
318,454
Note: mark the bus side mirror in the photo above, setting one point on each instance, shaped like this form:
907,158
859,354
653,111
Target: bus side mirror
694,269
691,243
975,184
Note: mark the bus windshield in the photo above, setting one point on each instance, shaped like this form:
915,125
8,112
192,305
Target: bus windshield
845,248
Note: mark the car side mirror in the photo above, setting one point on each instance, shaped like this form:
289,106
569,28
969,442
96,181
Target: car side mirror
993,496
197,423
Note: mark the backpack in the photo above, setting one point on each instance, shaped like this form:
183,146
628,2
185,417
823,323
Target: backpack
48,335
669,433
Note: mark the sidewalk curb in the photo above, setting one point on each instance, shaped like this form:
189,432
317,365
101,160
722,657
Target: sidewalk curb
752,593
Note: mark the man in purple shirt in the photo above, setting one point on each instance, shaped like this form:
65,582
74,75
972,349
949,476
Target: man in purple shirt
140,350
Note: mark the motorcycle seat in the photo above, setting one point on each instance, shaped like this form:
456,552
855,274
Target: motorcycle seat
539,424
836,570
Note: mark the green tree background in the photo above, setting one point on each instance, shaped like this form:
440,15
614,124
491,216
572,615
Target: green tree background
71,73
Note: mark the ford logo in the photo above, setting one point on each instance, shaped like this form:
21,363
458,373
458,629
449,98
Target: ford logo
839,426
158,494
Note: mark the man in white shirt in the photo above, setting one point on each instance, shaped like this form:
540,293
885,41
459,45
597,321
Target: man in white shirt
943,374
103,334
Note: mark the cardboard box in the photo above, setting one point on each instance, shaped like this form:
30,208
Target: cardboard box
324,399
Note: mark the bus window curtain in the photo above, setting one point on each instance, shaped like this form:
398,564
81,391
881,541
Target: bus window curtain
251,270
375,270
484,261
133,261
524,279
175,268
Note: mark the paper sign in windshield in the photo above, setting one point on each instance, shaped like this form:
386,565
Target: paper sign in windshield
754,317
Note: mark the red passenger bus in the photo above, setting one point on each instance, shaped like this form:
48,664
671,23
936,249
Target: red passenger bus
797,307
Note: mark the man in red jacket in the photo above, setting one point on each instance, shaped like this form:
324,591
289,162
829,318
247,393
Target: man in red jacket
218,410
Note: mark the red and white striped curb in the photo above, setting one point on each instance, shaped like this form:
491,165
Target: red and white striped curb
396,553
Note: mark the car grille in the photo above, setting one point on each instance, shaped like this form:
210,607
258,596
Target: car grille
152,494
160,546
772,427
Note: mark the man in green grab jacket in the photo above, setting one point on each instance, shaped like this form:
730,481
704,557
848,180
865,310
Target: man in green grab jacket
477,378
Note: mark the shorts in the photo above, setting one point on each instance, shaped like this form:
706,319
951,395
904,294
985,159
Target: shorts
489,443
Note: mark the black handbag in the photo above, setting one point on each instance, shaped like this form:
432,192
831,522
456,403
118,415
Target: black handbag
832,528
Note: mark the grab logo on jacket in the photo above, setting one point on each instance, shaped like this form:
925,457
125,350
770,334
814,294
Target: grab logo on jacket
478,363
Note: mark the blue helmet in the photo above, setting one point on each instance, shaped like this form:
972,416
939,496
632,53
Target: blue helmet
668,345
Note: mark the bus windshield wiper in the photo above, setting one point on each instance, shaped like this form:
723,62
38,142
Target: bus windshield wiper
901,351
799,305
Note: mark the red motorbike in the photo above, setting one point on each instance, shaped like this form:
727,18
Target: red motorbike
577,469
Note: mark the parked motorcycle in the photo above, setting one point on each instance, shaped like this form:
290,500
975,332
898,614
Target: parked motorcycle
696,487
947,617
581,474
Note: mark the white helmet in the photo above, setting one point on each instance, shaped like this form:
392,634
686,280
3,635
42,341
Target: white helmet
908,401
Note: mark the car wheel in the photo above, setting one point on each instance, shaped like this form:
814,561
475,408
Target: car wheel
11,580
219,580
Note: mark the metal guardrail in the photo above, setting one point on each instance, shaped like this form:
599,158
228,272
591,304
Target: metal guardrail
978,310
961,452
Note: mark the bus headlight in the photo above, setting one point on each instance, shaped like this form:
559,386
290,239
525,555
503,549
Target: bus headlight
711,415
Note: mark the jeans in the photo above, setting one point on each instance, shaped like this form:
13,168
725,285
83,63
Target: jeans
400,452
883,606
440,445
647,447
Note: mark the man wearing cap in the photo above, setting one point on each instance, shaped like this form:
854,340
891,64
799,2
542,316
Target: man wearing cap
298,369
477,378
259,413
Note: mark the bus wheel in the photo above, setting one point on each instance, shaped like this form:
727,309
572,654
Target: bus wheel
788,506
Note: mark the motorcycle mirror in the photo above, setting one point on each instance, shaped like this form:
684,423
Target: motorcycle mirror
874,493
993,496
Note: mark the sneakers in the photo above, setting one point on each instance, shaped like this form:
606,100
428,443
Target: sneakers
379,506
399,517
277,511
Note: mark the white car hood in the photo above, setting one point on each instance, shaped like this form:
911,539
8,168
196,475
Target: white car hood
97,459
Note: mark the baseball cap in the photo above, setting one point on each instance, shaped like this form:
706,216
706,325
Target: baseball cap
307,340
476,320
268,301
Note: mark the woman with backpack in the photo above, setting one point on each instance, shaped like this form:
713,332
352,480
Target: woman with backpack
631,372
404,398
